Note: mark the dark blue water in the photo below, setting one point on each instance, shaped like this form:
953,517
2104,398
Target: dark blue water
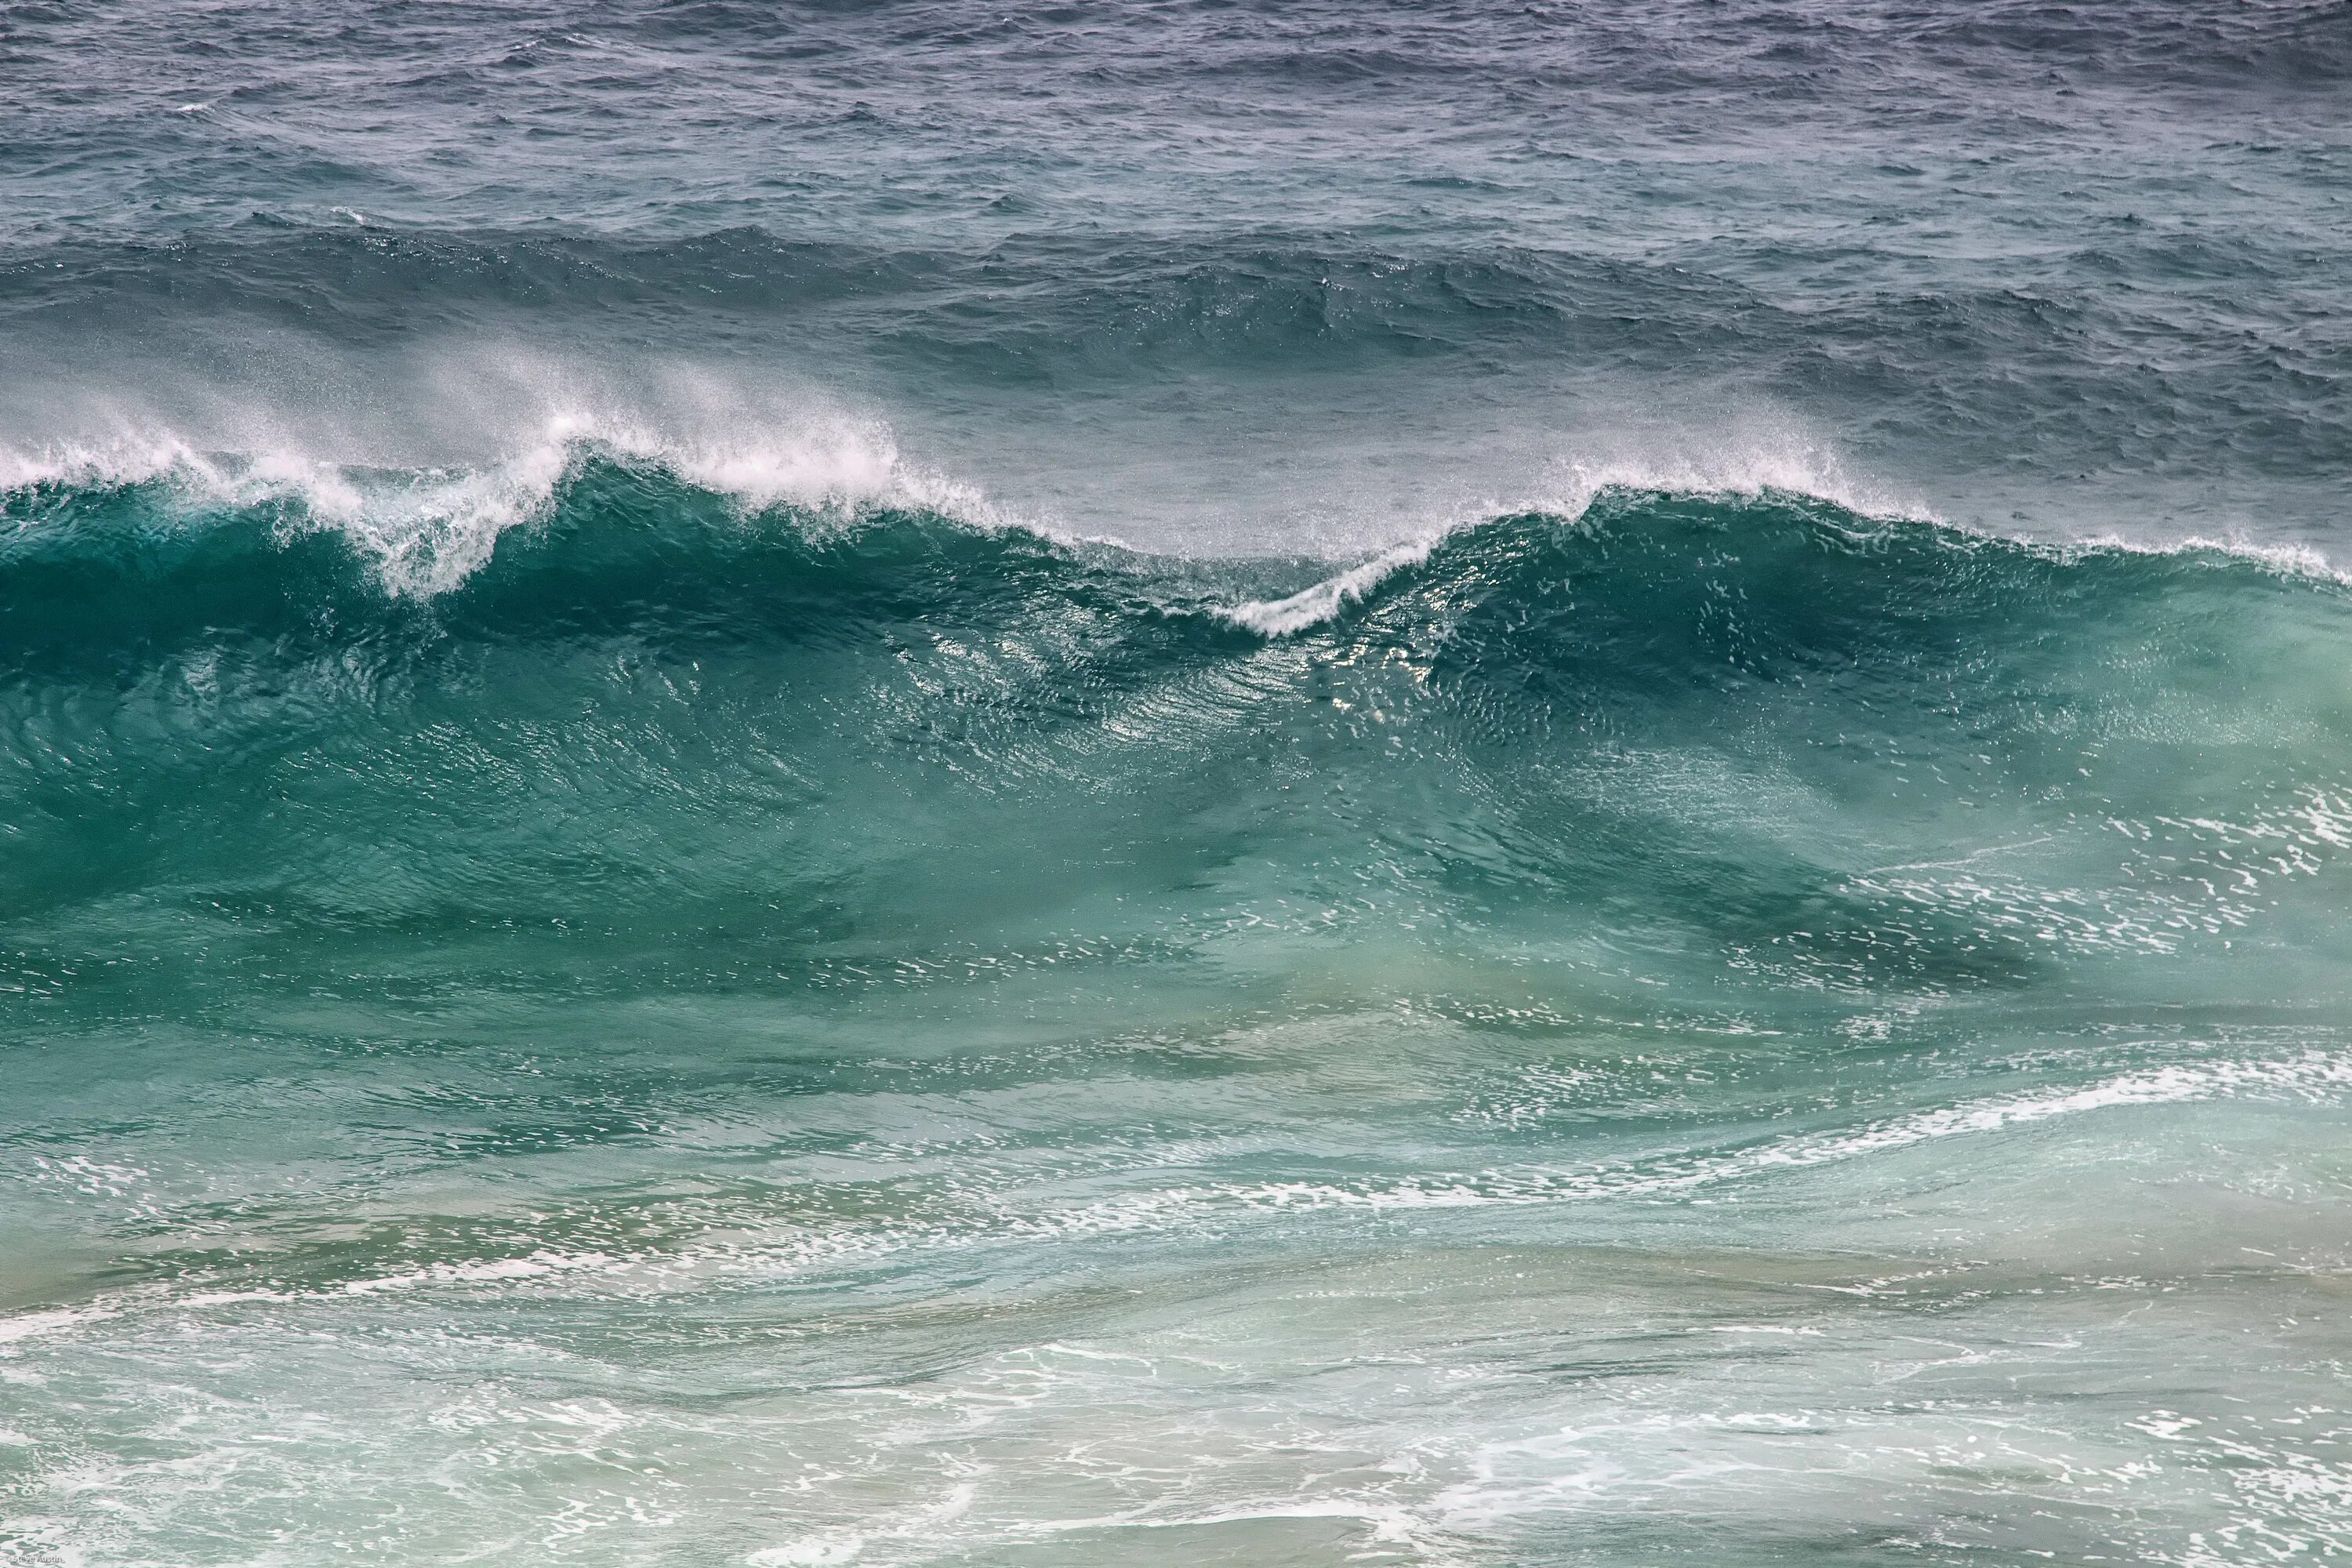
1175,784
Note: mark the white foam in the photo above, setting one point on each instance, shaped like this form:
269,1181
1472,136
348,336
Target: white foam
2300,560
53,1320
830,1548
1314,606
426,530
424,459
2314,1077
486,1271
104,462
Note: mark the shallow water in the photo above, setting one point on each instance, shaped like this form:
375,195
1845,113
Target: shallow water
1190,785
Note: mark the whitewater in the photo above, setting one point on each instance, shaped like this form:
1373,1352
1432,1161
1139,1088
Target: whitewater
1188,783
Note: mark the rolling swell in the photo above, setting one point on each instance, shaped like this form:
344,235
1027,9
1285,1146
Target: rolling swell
1767,586
1705,726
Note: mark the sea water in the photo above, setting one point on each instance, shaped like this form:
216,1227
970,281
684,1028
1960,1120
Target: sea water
1180,783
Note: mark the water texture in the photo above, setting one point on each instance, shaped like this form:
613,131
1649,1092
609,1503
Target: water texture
1175,784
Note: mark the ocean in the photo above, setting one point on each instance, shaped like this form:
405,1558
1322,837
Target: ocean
1175,784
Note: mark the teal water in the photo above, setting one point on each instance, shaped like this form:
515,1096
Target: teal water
736,1032
1175,787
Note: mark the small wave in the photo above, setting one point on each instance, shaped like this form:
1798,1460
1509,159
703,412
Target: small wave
428,530
1314,604
48,1320
2315,1077
2298,560
1785,466
1779,466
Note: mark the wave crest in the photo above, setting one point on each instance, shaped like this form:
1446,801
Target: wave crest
426,531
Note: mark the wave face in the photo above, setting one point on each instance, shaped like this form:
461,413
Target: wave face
809,1003
1186,784
1760,739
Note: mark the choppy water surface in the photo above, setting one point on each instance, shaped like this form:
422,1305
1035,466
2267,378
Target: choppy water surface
1178,784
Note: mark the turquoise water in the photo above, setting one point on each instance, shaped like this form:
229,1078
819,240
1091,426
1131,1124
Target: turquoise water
1175,787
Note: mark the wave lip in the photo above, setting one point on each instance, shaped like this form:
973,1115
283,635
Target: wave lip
426,530
1319,603
1624,586
1785,468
